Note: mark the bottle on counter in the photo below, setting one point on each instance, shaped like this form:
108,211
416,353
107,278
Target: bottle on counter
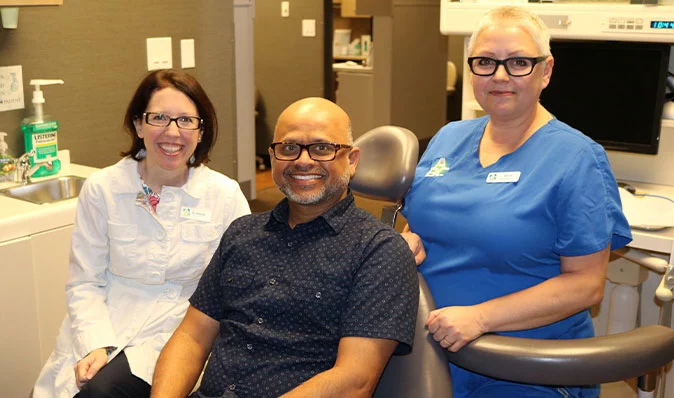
6,161
40,132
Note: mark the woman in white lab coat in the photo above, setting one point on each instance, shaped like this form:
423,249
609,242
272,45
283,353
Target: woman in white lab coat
145,230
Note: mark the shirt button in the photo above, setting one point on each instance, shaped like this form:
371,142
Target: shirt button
232,387
290,244
249,346
272,281
260,321
318,295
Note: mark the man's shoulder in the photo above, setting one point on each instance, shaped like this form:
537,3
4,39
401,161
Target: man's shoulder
371,228
366,221
251,220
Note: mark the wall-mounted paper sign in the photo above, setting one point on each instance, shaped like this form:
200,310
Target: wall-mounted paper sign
11,88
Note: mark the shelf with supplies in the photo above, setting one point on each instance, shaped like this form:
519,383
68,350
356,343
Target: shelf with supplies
20,3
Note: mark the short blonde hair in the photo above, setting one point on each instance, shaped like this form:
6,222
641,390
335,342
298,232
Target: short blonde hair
518,16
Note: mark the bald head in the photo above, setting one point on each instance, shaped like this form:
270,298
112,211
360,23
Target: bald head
314,114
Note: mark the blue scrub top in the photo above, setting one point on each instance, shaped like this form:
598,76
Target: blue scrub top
491,231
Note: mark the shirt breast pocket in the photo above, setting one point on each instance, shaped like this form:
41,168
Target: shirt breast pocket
236,283
321,302
123,253
200,242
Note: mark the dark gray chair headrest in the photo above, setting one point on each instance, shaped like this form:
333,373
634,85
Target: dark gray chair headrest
388,159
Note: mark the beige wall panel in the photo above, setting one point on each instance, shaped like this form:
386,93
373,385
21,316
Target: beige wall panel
288,66
98,49
419,62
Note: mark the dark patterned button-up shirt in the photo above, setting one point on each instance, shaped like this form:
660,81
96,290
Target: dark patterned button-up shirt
285,297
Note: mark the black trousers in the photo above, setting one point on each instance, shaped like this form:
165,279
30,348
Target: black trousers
115,380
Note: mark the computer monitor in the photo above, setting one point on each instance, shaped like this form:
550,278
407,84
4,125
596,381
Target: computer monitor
613,92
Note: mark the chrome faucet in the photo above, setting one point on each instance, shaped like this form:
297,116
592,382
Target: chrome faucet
24,169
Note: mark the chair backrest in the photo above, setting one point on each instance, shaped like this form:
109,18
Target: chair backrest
388,158
451,77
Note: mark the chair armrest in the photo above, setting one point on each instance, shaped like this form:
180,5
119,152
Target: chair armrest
569,362
424,372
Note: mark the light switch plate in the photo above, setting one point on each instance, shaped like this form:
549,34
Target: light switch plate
309,27
187,53
159,53
285,9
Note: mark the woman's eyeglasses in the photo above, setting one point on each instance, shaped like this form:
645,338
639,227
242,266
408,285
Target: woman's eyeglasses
515,66
158,119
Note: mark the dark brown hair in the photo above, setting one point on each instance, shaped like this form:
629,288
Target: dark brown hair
188,85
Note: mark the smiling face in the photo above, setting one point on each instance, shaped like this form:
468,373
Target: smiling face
305,181
168,148
501,95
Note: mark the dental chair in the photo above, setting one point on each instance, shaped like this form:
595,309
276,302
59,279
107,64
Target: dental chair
388,159
385,172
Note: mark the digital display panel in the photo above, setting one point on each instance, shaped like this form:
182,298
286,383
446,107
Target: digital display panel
595,89
662,25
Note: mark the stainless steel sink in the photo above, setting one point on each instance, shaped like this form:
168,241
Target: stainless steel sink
47,191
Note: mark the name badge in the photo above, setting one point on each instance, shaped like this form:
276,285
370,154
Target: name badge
503,177
195,214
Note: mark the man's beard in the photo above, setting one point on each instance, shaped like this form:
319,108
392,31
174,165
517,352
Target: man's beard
327,192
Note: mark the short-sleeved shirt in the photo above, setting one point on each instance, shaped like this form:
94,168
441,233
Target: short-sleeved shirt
285,296
491,231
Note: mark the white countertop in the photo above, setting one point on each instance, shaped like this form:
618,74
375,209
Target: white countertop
19,218
351,67
659,241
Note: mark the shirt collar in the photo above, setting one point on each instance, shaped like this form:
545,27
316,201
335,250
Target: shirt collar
128,181
335,218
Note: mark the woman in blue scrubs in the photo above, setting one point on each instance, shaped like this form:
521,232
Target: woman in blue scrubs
515,212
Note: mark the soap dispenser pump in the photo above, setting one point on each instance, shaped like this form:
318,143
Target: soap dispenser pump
40,133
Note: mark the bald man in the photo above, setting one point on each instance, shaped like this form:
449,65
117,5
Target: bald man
309,299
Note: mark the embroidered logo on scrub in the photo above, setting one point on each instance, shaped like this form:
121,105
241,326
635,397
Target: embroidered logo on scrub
438,169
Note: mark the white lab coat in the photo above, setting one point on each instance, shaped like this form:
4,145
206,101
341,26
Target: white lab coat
131,272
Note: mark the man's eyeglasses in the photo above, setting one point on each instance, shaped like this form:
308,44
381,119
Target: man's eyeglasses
515,66
319,151
158,119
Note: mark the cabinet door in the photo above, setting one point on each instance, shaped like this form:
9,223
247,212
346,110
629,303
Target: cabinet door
349,9
19,342
355,94
51,253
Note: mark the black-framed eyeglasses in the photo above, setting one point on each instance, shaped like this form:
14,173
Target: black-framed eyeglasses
159,119
319,151
514,66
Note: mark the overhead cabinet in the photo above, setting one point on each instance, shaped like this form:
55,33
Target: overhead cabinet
348,8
